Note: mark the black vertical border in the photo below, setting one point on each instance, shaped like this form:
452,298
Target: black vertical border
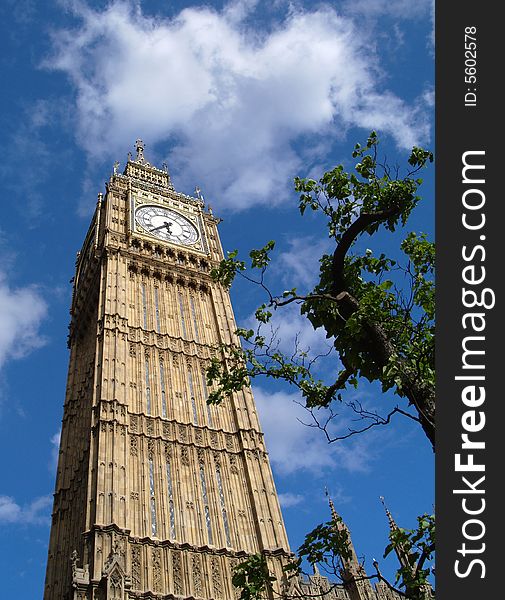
459,129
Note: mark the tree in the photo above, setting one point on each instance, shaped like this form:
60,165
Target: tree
378,313
328,546
379,317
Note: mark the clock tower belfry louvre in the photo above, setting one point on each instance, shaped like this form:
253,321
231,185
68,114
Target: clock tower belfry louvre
158,495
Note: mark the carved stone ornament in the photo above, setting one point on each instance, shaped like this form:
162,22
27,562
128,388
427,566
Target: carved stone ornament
114,580
156,569
136,567
80,576
197,574
216,578
177,572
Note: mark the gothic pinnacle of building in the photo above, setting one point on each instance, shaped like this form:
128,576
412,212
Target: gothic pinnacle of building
404,557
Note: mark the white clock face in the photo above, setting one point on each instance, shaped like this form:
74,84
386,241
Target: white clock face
166,225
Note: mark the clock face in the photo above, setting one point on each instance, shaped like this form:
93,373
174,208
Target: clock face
166,225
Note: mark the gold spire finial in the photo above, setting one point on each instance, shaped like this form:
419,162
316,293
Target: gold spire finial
334,514
392,524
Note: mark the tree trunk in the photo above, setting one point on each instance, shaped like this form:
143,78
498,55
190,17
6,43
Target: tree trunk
419,394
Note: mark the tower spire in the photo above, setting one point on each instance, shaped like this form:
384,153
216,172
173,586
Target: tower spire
334,515
392,525
405,557
352,572
351,564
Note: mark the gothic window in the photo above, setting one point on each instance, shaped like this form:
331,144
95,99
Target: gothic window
205,503
223,506
183,321
115,583
152,496
205,396
192,397
148,388
163,391
157,309
193,313
144,304
171,509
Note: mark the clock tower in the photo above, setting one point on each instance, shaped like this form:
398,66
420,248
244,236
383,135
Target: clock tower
158,495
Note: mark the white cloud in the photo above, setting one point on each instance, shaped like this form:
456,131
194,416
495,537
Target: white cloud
230,100
55,447
299,266
399,9
296,267
29,146
295,447
288,330
35,513
21,313
287,499
9,510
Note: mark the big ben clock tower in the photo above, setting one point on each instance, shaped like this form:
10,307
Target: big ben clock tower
158,495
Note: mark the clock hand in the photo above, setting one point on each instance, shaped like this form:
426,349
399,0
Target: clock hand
165,224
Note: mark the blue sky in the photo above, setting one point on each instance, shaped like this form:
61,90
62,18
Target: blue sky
238,98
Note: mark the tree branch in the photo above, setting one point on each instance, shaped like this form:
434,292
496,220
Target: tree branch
348,238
